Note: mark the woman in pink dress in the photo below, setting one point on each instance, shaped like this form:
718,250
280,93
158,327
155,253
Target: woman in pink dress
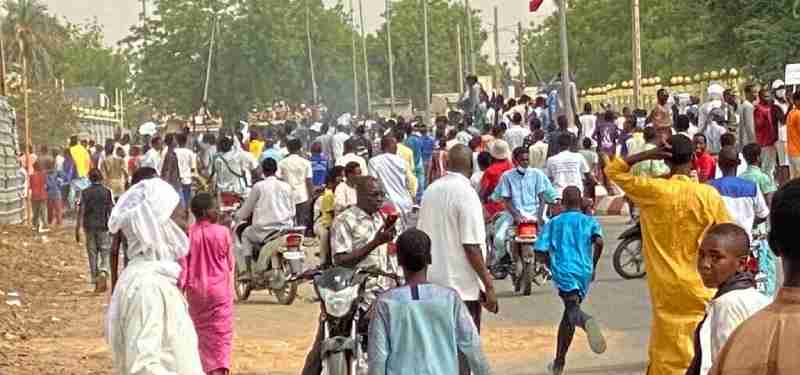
207,281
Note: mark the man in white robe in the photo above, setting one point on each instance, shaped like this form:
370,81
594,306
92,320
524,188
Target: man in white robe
148,324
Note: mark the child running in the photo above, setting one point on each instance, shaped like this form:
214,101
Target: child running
721,264
207,281
568,240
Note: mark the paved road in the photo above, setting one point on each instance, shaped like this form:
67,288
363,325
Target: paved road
621,306
525,325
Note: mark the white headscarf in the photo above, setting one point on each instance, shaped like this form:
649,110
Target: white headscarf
143,214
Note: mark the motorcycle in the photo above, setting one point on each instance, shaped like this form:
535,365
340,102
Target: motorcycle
628,258
524,265
272,272
344,314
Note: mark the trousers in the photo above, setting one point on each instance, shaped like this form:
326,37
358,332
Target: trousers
98,248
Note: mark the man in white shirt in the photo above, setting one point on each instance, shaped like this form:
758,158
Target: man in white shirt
747,130
567,168
390,170
271,203
516,134
588,122
452,215
345,194
187,163
350,155
538,150
152,158
337,143
297,172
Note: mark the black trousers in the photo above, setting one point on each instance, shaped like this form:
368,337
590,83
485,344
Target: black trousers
573,317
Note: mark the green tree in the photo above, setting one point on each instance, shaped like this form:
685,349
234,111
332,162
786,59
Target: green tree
407,44
260,55
675,40
88,62
29,30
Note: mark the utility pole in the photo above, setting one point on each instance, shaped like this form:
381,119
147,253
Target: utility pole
566,95
210,57
355,60
637,55
521,47
311,55
498,72
472,66
391,56
144,19
366,61
2,69
427,63
460,85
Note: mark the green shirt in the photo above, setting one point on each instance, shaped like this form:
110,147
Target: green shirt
650,168
765,183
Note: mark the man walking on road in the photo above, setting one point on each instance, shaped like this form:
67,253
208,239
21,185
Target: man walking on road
674,214
451,214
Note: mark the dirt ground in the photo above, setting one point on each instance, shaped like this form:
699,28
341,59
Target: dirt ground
58,329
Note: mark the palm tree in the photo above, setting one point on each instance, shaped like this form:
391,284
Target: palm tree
30,32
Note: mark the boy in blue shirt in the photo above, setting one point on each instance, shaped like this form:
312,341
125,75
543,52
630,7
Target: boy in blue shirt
573,242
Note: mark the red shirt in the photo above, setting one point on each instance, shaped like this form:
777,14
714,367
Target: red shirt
766,129
489,181
38,186
705,165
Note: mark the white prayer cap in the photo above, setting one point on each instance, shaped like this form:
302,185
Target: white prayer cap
715,90
777,84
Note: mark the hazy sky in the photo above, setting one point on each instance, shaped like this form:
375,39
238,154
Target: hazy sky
117,16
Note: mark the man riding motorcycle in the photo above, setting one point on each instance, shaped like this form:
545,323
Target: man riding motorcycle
524,190
272,207
359,235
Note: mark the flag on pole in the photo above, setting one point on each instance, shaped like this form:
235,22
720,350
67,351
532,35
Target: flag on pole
535,4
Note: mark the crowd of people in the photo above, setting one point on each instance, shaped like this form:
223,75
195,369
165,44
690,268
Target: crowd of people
702,178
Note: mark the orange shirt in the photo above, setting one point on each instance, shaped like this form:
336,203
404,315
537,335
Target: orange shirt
793,133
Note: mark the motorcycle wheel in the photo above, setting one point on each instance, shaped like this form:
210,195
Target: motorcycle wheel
242,289
541,275
288,293
526,278
629,260
498,272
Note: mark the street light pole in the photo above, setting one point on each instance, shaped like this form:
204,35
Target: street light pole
391,57
210,56
460,58
366,61
473,68
355,60
565,79
427,63
311,55
637,55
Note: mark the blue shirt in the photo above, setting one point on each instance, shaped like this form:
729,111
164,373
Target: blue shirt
414,142
524,190
423,335
271,152
428,144
568,239
319,168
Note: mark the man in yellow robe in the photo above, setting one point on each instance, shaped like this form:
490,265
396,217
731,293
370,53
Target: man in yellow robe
675,213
